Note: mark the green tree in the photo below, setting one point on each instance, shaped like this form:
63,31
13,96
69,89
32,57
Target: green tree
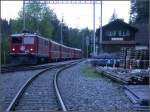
114,16
56,31
77,38
16,25
139,11
74,38
38,18
5,32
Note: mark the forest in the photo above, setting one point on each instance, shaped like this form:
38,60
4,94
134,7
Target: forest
41,19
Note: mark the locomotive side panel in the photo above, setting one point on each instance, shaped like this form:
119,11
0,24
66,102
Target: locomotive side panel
54,52
50,45
62,52
65,52
43,47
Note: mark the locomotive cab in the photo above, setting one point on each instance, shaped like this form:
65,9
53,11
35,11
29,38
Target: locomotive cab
22,45
23,48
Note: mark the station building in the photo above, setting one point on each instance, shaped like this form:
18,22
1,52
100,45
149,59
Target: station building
115,35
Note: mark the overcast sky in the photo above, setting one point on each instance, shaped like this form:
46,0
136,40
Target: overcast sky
75,15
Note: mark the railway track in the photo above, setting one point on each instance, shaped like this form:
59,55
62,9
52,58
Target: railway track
14,68
40,92
7,69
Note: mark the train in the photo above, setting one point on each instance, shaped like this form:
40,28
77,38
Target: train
32,48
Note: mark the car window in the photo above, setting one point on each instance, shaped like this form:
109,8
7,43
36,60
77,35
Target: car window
28,40
17,40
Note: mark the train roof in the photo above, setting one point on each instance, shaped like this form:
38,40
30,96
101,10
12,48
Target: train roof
54,42
63,45
35,34
67,46
22,34
77,49
70,47
27,34
42,37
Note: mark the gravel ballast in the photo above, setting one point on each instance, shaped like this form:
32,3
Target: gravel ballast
83,90
10,83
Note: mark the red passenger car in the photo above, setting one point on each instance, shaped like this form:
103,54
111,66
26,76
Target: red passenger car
77,53
71,53
63,51
54,51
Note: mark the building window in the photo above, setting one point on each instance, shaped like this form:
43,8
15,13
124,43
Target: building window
120,33
123,33
96,39
127,33
114,33
110,33
107,33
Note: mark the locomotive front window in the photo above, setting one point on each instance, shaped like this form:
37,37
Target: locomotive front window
16,40
28,40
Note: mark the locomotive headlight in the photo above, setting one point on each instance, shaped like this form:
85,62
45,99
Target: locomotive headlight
31,49
13,49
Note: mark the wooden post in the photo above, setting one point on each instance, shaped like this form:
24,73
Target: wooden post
4,56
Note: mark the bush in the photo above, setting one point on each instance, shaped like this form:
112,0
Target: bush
4,51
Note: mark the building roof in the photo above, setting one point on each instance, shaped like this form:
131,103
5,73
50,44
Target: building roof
117,21
120,22
27,34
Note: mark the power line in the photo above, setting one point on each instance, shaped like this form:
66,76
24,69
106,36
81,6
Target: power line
66,2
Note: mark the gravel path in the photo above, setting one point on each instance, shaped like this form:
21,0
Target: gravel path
83,92
10,84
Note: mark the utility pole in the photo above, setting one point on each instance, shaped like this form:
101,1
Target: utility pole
4,57
24,15
83,44
100,46
94,53
61,33
77,22
87,46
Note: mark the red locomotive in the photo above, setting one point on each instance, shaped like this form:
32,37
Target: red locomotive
28,48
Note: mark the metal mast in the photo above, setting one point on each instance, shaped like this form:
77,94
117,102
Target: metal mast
24,15
94,53
61,33
101,49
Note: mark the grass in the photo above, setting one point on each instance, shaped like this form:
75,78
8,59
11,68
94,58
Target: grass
90,72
